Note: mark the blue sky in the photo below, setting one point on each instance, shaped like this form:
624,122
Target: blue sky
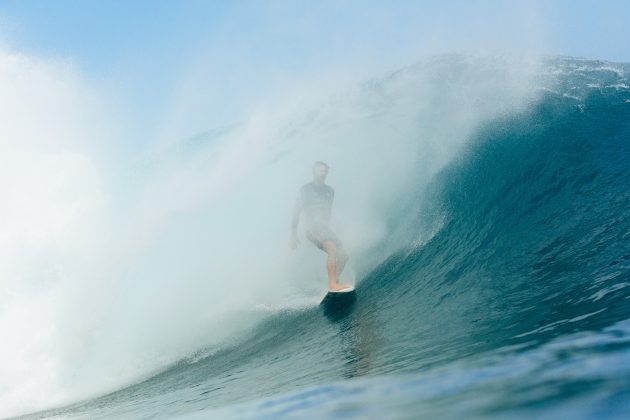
214,58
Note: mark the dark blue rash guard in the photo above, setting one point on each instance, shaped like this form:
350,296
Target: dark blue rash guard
315,201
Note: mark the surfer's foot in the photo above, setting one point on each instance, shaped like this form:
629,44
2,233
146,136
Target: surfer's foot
338,287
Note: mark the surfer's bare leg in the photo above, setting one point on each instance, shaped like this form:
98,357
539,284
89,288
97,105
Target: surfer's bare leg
342,259
331,265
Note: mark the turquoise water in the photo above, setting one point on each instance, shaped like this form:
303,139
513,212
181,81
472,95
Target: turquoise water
517,304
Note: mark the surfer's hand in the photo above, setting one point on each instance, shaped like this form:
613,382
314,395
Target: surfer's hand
293,242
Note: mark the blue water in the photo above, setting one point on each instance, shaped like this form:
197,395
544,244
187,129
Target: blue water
517,306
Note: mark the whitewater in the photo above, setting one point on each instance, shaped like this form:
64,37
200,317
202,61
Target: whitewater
483,200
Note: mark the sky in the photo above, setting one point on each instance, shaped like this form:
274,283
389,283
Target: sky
177,68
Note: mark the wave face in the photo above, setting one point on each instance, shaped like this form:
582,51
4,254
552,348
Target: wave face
500,286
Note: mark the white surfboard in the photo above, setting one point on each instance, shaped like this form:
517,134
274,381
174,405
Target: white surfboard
339,296
346,290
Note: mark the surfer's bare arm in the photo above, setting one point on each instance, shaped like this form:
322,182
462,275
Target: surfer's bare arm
294,241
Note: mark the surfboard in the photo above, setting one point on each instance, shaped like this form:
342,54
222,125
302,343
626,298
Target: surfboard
338,305
339,296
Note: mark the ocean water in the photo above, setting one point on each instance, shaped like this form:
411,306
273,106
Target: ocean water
490,249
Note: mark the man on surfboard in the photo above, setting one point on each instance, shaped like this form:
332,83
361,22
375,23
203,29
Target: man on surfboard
315,200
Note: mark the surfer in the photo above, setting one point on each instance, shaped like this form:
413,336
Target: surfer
315,200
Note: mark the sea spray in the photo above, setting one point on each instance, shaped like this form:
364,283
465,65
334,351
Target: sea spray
174,252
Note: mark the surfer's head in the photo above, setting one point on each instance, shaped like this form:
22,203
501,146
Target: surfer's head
320,171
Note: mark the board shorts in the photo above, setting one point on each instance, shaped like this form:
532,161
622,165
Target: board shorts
318,235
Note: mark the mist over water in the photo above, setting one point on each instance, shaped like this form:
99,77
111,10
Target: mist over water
491,271
114,269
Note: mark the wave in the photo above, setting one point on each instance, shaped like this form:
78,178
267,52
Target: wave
484,202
